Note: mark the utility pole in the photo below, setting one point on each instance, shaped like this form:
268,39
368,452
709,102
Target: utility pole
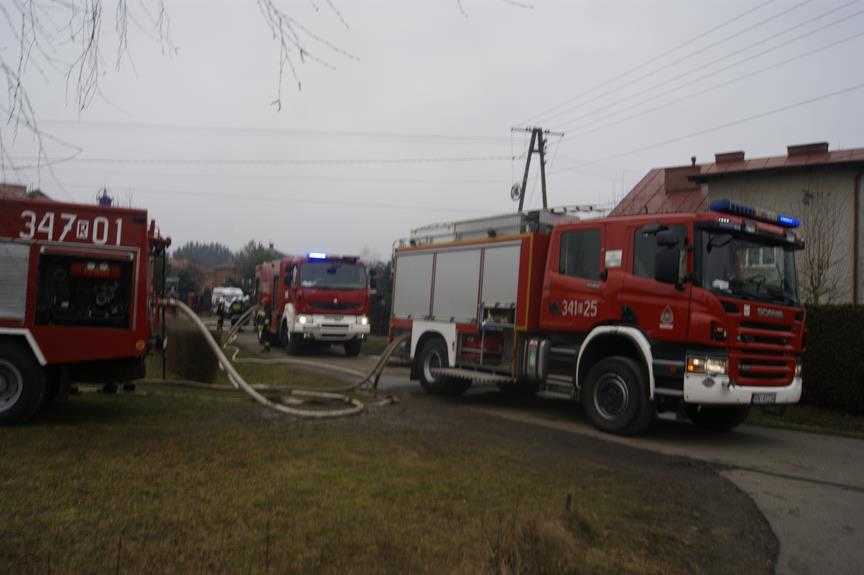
537,146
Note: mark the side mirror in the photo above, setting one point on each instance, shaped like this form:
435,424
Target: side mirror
667,258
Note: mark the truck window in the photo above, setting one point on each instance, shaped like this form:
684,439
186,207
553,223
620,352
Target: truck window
645,246
580,254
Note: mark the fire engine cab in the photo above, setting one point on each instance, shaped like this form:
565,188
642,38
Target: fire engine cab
75,298
313,299
692,312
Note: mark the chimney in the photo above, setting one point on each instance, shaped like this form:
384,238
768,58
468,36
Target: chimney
807,149
729,157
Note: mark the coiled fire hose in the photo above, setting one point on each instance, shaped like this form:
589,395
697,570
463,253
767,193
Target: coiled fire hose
355,405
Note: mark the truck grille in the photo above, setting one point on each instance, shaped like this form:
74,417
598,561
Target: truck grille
763,355
340,306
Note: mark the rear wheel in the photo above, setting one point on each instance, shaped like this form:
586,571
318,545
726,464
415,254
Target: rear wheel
433,354
615,397
22,384
717,418
353,346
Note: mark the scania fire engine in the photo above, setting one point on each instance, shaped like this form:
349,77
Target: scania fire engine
313,299
689,312
75,298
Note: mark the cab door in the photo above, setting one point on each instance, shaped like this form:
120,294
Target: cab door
660,310
575,287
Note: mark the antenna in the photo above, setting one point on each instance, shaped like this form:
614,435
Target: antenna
537,146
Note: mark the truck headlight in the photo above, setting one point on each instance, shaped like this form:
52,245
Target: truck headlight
302,319
363,320
710,365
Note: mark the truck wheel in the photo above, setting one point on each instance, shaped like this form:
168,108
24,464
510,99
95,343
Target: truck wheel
352,347
289,343
615,397
22,384
717,418
434,354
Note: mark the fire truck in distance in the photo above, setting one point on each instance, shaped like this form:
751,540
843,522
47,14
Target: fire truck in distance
76,300
313,299
630,315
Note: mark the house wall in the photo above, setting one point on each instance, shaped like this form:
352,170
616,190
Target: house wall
824,201
860,191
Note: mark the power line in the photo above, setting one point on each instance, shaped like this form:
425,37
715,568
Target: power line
649,61
594,128
668,65
720,59
283,132
250,199
246,162
718,127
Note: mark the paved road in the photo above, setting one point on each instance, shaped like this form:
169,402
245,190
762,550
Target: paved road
810,487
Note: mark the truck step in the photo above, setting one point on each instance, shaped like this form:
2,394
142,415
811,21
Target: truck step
477,376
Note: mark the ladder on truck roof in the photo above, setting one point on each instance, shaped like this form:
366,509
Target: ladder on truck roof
499,225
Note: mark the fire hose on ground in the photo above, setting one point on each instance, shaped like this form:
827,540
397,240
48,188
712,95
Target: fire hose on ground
297,396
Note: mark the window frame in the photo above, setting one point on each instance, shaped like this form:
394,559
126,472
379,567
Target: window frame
562,243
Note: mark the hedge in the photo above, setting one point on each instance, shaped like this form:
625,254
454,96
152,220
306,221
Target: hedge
188,355
834,358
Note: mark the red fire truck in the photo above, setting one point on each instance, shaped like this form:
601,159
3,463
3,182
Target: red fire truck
75,298
313,299
693,312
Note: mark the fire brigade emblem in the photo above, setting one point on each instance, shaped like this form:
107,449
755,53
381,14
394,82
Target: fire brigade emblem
667,318
335,301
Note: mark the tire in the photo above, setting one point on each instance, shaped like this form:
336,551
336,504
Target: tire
717,418
289,342
353,346
22,384
433,354
615,397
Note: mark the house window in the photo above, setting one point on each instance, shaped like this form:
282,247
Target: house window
580,254
760,257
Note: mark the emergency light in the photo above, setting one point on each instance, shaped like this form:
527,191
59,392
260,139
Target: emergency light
767,216
317,256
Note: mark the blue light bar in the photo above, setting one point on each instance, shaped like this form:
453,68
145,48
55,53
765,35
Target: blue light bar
317,256
729,207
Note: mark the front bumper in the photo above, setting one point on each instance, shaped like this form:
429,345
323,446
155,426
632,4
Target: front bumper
721,392
331,328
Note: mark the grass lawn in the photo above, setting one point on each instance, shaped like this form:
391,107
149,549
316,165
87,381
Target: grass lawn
174,479
814,419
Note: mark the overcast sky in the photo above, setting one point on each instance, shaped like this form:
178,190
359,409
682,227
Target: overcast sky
192,137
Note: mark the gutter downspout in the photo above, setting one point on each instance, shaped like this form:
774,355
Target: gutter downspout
856,232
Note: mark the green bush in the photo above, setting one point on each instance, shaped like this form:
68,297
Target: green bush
834,358
188,355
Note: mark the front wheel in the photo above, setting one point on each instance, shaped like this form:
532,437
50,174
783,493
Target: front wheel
615,397
290,343
433,354
353,346
717,418
22,384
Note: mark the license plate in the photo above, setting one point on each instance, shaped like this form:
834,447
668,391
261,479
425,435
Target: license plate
333,317
764,398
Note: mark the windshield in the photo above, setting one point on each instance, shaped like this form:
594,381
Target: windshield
749,267
332,275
